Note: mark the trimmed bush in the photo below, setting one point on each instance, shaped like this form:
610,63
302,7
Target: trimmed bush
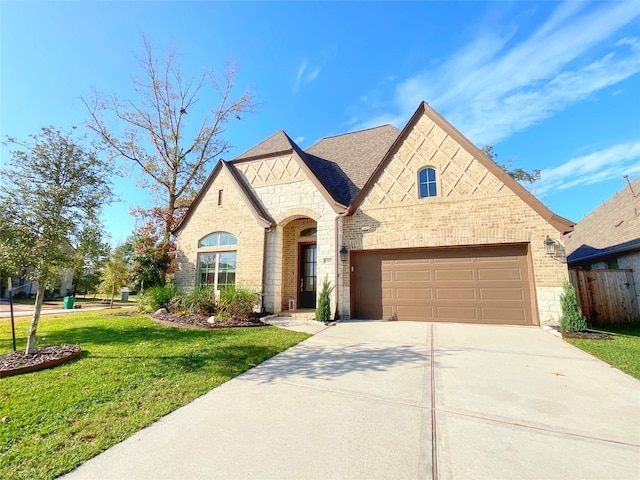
201,300
239,301
572,319
323,311
156,297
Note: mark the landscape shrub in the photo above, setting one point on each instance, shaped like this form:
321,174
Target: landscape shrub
323,311
239,301
572,319
156,297
201,300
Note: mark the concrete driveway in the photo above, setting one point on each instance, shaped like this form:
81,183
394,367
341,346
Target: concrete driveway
399,400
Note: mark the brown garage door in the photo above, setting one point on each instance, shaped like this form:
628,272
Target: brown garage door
475,284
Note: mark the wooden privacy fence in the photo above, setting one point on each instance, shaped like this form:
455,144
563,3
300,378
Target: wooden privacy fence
606,296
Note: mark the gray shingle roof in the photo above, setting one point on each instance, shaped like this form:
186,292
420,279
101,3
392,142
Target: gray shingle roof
278,142
611,228
345,162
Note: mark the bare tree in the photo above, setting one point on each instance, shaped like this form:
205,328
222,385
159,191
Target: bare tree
153,131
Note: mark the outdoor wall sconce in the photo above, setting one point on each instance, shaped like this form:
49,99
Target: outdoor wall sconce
549,246
344,254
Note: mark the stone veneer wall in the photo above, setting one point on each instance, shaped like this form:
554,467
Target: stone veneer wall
233,217
287,194
473,207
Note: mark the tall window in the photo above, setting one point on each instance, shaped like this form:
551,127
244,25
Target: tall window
217,269
427,182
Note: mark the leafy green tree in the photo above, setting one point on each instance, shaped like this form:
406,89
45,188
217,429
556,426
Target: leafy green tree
55,190
323,311
518,174
114,274
572,319
89,256
166,133
149,262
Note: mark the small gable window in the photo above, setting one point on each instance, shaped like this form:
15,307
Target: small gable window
427,182
218,239
309,232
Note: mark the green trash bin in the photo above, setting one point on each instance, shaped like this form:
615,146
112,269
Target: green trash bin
125,296
68,302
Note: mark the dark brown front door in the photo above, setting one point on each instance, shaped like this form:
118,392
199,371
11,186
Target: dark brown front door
307,296
476,284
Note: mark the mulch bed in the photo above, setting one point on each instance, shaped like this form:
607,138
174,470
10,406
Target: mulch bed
19,362
201,321
588,335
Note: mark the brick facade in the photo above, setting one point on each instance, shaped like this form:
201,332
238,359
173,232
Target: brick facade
473,207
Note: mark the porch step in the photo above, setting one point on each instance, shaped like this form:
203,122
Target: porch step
303,314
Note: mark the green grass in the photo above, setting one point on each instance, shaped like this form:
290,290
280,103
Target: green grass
132,372
623,352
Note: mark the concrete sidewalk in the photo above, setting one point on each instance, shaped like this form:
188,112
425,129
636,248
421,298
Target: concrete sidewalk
27,310
404,401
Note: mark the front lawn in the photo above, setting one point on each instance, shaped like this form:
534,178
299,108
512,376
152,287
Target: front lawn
623,352
132,372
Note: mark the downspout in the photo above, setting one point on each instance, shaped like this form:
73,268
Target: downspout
338,263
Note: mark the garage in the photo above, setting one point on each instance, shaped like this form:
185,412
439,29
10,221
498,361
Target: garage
489,284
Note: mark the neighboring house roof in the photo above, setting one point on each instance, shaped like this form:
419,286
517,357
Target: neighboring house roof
561,224
612,228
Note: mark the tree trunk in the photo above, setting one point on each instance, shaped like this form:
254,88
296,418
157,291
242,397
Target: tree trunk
31,340
113,292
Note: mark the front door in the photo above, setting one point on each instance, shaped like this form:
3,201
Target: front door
307,297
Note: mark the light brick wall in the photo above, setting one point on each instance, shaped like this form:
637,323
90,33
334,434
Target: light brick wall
473,207
233,217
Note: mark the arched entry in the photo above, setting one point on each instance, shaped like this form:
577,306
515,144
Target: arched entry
299,262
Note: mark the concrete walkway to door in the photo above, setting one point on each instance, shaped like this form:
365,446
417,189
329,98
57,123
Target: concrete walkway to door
381,400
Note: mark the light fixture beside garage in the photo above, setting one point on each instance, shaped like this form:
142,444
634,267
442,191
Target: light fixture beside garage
344,254
550,246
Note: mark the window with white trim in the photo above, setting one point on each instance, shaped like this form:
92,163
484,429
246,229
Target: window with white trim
217,268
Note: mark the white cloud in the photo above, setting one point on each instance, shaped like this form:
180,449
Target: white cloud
299,140
301,77
611,162
620,91
496,86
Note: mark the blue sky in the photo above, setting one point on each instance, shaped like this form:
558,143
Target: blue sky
553,85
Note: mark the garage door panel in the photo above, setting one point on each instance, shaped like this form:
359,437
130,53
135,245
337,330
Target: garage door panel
503,314
457,313
453,275
504,274
488,284
468,293
504,294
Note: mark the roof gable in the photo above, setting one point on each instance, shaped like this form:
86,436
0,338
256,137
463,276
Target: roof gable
256,209
559,223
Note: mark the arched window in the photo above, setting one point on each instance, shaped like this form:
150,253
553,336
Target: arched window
218,268
427,182
218,239
309,232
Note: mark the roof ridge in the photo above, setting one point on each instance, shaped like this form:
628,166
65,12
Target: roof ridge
356,131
